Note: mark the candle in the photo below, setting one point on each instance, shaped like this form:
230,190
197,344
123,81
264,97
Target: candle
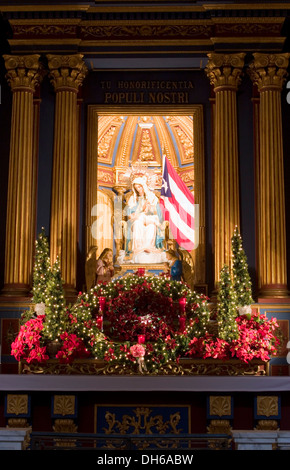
182,304
102,303
182,323
141,339
99,322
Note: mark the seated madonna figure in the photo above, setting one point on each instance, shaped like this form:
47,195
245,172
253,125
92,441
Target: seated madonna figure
144,219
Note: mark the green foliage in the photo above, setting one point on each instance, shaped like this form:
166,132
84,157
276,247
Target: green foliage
227,307
241,278
41,269
56,319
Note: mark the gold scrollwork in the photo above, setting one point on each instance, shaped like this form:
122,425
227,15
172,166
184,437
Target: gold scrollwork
184,367
142,30
142,421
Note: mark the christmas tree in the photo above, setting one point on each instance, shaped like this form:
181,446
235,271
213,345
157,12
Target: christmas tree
241,278
42,268
227,307
55,305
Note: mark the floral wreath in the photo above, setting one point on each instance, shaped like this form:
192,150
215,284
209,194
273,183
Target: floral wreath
146,320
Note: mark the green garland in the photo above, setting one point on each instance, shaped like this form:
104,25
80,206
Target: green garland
165,345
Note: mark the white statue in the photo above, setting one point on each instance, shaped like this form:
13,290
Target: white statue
144,237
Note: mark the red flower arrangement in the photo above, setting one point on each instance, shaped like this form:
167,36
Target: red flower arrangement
147,306
72,347
29,343
257,340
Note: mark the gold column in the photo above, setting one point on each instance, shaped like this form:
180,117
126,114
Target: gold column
67,73
268,72
24,73
224,72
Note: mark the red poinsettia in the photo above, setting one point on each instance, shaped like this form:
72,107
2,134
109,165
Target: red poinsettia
72,347
28,344
257,340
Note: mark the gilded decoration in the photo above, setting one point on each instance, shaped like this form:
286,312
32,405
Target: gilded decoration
23,72
17,404
18,423
65,426
64,405
224,70
142,421
138,420
220,405
269,70
219,426
185,367
67,71
44,30
267,425
127,31
268,406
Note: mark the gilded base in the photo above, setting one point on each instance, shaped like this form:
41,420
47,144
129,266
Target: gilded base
185,367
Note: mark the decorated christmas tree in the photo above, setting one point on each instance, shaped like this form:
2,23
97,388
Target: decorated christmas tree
41,269
227,307
55,305
241,278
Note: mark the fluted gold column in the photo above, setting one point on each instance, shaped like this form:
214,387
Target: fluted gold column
67,73
23,74
224,72
268,72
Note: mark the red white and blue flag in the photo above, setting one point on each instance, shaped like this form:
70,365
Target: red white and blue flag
177,205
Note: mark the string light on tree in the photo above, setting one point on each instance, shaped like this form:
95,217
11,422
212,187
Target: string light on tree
241,278
56,319
41,269
227,307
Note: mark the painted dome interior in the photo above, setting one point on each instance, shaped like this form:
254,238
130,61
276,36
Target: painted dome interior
125,140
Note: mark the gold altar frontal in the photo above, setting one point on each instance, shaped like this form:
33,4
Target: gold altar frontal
185,367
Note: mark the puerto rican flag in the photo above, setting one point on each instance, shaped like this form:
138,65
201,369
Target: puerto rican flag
177,205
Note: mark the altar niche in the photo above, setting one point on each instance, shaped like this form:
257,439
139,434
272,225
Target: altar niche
124,157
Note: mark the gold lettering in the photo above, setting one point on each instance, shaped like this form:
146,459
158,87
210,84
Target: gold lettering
108,97
166,98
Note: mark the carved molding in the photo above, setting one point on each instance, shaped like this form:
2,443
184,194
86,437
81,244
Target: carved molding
145,30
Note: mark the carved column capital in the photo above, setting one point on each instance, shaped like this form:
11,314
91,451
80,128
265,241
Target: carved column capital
269,70
67,71
224,70
24,72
